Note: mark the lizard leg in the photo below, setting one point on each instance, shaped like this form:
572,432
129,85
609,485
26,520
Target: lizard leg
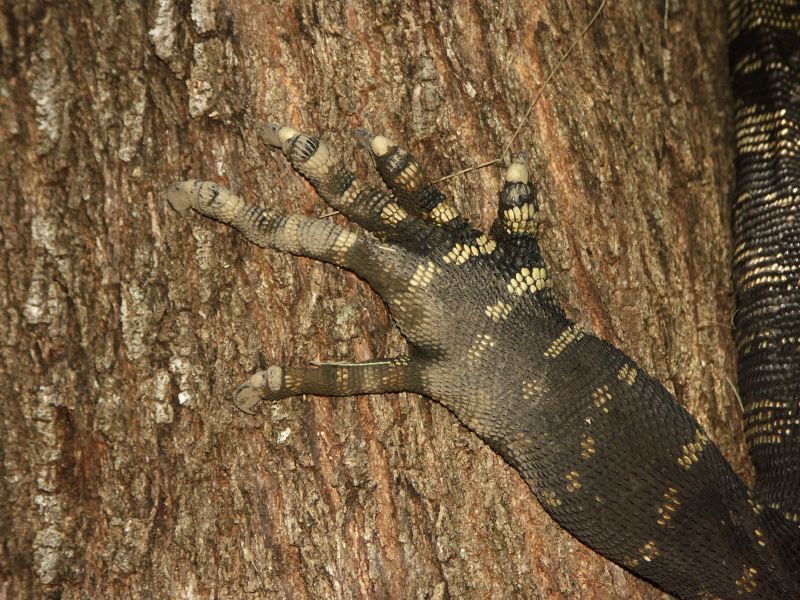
331,379
295,234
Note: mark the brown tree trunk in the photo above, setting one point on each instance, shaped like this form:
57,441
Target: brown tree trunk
126,472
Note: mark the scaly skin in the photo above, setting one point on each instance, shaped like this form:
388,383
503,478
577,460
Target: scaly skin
607,450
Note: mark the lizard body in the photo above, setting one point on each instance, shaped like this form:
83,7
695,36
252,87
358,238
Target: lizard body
610,454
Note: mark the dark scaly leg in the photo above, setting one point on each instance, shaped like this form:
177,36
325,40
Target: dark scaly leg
331,379
485,345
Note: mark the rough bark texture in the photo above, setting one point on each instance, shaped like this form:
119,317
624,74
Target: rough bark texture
126,473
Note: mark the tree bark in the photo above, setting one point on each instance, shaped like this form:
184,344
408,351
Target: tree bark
126,472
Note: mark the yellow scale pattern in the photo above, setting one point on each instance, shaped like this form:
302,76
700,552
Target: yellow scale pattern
691,452
528,280
670,506
521,219
443,213
569,335
461,253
